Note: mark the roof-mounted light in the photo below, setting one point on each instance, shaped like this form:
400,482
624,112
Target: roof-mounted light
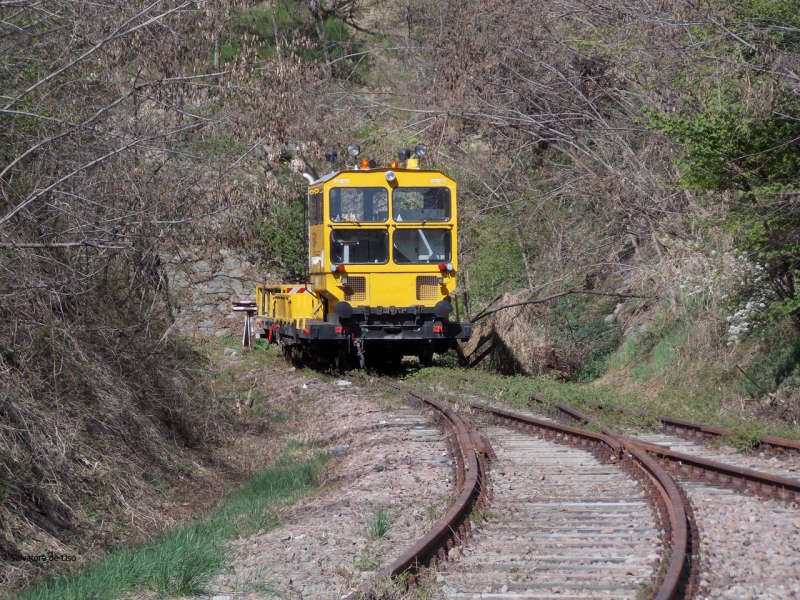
354,150
364,163
420,150
331,157
404,154
390,176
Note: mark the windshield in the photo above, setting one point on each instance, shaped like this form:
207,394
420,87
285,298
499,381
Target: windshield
421,246
359,204
421,204
359,246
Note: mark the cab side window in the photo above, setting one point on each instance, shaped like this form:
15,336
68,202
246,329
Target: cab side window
315,208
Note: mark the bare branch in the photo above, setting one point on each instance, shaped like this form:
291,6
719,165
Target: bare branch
118,33
485,314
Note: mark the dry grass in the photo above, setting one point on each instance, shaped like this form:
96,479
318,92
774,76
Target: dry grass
108,464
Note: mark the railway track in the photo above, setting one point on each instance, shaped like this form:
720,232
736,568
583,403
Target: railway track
699,466
568,524
626,535
751,543
564,522
703,432
547,507
744,508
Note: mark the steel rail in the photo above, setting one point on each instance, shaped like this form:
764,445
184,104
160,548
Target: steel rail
668,500
764,485
691,429
454,527
703,431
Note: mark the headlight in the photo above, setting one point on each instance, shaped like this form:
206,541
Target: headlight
354,150
390,176
420,150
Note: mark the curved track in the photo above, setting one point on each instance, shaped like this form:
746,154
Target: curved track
562,521
451,531
750,544
692,466
569,524
445,541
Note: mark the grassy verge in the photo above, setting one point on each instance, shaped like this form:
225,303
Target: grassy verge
183,561
640,411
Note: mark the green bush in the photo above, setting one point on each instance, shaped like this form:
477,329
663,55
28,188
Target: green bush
282,234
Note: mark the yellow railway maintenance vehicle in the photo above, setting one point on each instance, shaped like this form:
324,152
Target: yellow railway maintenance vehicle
382,267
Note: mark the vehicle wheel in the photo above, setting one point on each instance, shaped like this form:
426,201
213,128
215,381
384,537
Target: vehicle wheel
343,359
426,356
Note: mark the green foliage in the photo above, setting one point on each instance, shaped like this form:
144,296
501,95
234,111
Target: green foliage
605,344
183,562
656,351
282,235
578,322
295,27
480,516
730,146
746,437
604,402
379,526
219,146
255,25
367,562
775,364
741,136
495,261
778,22
788,364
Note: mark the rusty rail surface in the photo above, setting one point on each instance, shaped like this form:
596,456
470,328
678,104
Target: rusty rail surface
454,528
668,499
692,430
705,432
742,479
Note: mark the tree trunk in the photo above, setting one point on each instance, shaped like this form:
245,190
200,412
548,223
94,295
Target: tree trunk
316,13
216,50
278,52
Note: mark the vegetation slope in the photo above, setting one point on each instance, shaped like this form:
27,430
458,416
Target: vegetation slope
643,154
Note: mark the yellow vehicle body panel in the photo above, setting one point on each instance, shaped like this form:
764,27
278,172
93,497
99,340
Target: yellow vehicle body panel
382,268
290,304
386,283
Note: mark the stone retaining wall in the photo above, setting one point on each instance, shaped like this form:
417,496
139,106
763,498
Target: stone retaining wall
203,283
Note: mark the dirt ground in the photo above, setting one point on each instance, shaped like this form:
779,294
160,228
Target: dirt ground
390,477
